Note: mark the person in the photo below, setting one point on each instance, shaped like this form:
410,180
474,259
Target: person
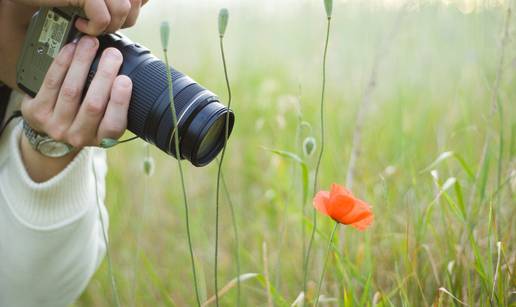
53,221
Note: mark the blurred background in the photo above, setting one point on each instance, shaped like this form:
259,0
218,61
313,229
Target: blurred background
430,70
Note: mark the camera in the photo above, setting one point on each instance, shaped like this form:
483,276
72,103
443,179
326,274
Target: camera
201,117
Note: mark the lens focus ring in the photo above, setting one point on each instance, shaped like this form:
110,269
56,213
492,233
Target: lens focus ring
149,82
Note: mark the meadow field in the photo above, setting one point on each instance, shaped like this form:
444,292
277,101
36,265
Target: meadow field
432,90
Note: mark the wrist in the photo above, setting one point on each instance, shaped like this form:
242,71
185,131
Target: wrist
44,144
39,167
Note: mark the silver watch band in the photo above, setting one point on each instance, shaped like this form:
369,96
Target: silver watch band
44,144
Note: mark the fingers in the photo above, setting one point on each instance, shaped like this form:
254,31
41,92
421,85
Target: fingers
83,131
104,16
114,122
119,10
57,109
38,110
98,15
70,94
133,14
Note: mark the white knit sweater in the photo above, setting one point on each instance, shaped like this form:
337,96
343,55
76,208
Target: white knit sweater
51,238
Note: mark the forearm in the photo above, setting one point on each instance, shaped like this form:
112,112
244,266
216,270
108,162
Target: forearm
39,167
14,20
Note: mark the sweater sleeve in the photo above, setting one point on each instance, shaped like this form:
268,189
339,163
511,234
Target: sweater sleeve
51,235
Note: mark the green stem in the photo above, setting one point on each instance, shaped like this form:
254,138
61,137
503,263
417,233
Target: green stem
114,291
500,161
219,173
312,235
303,197
183,187
319,285
139,223
235,232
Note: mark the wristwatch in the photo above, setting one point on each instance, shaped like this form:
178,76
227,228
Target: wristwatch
44,144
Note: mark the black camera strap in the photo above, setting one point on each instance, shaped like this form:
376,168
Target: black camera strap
5,95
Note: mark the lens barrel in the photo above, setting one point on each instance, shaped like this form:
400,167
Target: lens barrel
201,117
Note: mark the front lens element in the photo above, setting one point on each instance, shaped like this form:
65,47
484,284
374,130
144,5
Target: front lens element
214,135
203,139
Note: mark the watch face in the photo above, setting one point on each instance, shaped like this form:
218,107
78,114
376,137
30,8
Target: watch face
54,149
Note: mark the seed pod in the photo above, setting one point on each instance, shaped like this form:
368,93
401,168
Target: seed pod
309,146
148,166
165,34
328,5
223,21
108,143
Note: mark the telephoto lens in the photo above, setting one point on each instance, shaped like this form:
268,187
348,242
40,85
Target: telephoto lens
201,118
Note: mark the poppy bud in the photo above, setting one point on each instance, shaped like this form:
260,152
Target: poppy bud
309,146
328,5
108,143
165,34
148,166
223,21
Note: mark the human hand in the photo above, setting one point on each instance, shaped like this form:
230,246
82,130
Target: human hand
57,109
107,15
103,15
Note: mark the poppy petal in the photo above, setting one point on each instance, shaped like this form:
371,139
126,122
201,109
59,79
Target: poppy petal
359,212
321,201
337,189
364,223
340,206
362,205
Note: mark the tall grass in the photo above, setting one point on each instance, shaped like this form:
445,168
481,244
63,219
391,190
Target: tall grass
445,224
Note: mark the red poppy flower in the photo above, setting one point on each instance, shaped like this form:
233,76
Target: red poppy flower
343,207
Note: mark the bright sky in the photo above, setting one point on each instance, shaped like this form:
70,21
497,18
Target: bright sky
465,6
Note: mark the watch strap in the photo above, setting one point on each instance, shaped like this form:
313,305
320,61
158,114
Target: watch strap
35,138
32,135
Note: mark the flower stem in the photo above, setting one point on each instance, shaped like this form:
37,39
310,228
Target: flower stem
219,174
114,291
139,223
235,231
183,187
319,159
319,285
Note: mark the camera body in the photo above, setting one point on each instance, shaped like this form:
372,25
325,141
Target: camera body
49,30
202,119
